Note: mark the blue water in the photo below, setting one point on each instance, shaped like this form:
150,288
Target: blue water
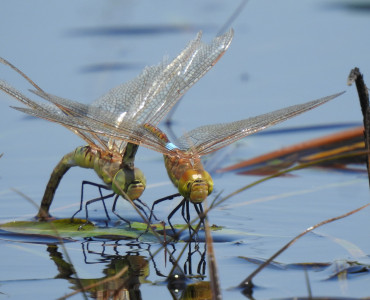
283,53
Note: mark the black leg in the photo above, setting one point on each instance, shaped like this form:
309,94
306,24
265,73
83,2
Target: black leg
137,205
144,204
142,209
199,209
181,204
159,201
102,198
105,207
81,200
186,215
185,212
170,215
87,211
95,200
114,211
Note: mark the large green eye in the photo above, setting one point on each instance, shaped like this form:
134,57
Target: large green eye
207,177
186,182
131,182
195,186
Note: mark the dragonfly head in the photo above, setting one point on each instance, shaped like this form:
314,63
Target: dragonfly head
195,185
132,182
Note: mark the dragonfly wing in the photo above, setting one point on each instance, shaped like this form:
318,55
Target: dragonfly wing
89,114
209,138
69,107
150,96
40,92
185,71
41,108
113,120
49,109
103,133
4,86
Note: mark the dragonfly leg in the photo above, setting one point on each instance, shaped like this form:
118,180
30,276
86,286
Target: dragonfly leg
101,198
87,212
152,209
181,204
186,216
159,201
199,209
81,202
137,205
100,187
142,209
95,200
154,204
144,204
114,211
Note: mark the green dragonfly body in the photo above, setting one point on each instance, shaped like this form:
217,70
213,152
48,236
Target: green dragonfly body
117,173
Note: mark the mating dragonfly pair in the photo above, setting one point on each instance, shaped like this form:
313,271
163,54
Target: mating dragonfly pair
128,116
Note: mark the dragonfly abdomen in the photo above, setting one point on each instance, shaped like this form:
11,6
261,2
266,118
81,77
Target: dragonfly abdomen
56,176
161,135
84,156
104,164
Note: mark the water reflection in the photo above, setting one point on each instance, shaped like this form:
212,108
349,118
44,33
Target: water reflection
134,269
188,282
127,265
197,290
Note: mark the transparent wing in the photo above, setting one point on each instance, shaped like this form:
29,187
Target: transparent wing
94,132
209,138
47,109
145,99
42,108
84,114
127,132
150,96
202,140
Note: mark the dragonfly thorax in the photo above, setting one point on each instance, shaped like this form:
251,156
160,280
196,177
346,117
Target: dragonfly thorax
131,182
122,177
195,185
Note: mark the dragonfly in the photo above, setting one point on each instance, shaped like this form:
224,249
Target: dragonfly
184,166
182,157
145,99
